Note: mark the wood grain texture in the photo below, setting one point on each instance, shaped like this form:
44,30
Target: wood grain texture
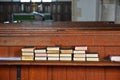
61,63
4,73
25,41
59,73
72,40
112,50
12,73
112,73
38,73
25,73
15,51
49,71
107,40
4,51
93,73
76,73
62,39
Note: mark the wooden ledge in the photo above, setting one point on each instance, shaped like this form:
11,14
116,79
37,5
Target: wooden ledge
60,63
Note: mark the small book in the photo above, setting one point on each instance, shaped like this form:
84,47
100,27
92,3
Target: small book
53,58
53,51
79,55
28,53
53,48
53,55
92,59
92,55
40,55
41,58
115,58
40,50
84,48
78,51
65,59
28,49
27,57
79,59
70,51
66,55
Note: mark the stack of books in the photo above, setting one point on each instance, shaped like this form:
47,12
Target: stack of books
40,54
28,53
66,54
53,53
92,56
79,53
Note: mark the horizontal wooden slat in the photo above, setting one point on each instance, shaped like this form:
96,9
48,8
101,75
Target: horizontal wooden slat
60,63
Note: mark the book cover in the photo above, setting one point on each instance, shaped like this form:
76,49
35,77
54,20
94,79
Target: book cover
92,59
41,58
79,59
40,50
53,51
84,48
53,58
37,54
92,55
79,55
79,51
28,53
66,55
115,58
53,48
27,57
70,51
28,49
53,55
65,59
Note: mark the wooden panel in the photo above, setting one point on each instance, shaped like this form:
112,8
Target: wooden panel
73,40
25,73
4,73
38,73
76,73
15,51
12,73
95,73
98,40
112,50
111,40
112,73
62,63
25,41
4,51
50,76
59,73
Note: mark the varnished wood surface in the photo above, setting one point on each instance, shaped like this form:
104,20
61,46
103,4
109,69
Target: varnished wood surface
103,38
60,63
32,26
